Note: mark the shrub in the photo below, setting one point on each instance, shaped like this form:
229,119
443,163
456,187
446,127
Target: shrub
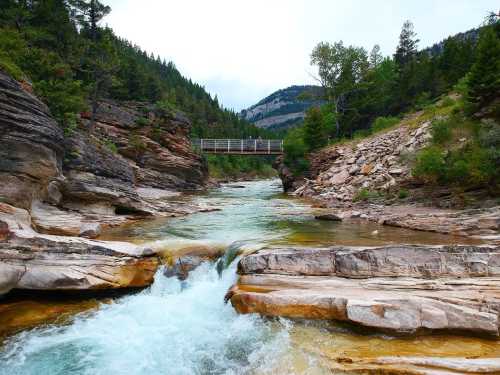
63,96
295,151
403,194
429,164
156,133
441,131
446,102
422,100
142,121
111,146
137,143
365,195
10,67
361,133
70,124
381,123
165,108
314,133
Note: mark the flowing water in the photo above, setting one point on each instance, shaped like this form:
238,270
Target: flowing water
176,327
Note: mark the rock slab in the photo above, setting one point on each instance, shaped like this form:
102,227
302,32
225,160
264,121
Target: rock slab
396,288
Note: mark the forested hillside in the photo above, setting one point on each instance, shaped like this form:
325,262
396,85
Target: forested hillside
367,92
60,51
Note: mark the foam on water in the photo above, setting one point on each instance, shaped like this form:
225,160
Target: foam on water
170,328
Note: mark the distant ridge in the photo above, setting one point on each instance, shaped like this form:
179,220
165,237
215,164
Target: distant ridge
284,108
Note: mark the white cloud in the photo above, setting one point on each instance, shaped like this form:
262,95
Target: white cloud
244,50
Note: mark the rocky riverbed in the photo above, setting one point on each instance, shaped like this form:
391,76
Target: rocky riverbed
342,308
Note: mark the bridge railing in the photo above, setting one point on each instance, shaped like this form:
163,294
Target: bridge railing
239,146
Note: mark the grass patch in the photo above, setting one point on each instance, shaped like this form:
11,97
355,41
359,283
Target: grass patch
111,146
403,194
365,195
142,121
382,123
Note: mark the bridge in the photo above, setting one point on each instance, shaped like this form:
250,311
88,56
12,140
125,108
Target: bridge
239,146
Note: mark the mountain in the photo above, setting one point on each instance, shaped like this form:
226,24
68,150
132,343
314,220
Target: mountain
284,108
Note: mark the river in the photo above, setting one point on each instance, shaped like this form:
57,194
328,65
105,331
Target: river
176,327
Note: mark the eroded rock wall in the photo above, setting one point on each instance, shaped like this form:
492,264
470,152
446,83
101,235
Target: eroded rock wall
133,147
56,187
31,145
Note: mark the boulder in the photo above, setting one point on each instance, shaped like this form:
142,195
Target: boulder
340,178
328,217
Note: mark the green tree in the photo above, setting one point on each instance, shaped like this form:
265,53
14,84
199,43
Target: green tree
340,68
484,78
100,61
405,58
314,131
376,57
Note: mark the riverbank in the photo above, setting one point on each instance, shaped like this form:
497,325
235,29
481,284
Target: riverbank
372,178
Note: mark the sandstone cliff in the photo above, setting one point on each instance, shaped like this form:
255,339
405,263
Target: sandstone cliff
135,160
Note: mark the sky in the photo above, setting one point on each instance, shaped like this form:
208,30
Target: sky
244,50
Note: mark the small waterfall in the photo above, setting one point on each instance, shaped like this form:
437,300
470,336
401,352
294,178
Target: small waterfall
236,249
169,328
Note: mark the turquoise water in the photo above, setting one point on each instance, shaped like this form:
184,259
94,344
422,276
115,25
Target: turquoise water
185,328
171,327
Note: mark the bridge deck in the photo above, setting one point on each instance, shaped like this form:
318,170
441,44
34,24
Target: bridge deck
240,146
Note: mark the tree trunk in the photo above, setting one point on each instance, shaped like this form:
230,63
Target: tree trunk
337,123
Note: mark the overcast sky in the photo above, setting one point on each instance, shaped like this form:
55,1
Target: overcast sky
245,50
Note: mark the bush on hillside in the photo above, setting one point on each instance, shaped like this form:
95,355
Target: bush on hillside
441,131
382,123
429,165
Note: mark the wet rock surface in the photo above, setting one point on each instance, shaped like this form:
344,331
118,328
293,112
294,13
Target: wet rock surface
401,288
33,261
483,223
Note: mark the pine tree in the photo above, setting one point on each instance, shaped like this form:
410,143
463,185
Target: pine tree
484,79
407,47
100,61
375,57
405,58
314,132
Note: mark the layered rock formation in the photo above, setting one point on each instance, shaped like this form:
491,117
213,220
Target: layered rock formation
133,163
396,288
32,146
33,261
